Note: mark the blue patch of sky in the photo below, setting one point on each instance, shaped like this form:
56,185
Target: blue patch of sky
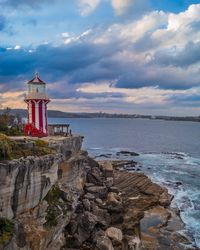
175,6
47,22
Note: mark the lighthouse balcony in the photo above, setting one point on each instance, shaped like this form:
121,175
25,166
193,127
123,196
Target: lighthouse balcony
37,96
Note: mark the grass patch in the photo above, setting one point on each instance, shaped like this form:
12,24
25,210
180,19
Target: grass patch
51,219
52,198
6,230
57,206
9,149
6,147
53,195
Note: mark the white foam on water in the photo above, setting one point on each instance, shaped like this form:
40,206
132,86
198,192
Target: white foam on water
167,170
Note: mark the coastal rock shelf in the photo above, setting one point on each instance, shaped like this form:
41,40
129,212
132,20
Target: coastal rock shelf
147,212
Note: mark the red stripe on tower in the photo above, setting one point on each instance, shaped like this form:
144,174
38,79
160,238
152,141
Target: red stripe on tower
46,116
40,116
33,113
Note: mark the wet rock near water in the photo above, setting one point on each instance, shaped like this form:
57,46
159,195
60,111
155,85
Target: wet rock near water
127,153
103,156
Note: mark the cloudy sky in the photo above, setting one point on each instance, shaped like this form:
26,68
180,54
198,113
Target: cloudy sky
122,56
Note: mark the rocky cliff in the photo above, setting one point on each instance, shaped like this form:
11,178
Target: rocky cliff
67,200
24,184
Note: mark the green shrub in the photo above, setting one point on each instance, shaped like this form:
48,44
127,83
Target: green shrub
41,143
14,131
53,195
54,199
6,147
9,149
51,219
6,230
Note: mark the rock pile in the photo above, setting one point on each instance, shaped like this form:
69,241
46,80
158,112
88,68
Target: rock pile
96,223
110,211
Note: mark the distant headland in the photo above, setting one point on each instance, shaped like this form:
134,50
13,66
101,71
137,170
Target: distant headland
61,114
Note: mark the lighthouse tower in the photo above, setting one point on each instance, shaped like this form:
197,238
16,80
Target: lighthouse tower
37,101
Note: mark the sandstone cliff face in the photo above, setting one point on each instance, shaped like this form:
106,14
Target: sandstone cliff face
25,182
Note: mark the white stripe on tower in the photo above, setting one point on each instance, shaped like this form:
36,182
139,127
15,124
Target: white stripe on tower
37,115
29,112
44,116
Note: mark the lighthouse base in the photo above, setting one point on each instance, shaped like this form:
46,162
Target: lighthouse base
30,130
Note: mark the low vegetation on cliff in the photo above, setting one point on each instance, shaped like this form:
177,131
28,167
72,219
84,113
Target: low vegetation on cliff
6,230
10,149
57,206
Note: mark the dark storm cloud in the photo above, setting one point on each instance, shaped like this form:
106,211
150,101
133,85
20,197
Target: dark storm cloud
190,100
135,75
82,62
186,98
55,63
189,55
145,43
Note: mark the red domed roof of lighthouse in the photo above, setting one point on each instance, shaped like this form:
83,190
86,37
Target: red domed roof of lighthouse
36,80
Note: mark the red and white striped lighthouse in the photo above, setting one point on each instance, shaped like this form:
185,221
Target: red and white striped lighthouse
37,101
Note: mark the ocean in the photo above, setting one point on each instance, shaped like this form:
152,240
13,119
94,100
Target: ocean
169,153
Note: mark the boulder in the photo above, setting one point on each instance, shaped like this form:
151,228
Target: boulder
72,226
114,189
132,219
86,204
117,218
107,168
94,176
113,198
165,199
104,243
88,221
97,191
99,201
103,217
109,182
127,153
134,243
86,224
114,234
89,184
89,196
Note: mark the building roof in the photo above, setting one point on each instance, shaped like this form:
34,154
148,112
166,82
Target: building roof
36,80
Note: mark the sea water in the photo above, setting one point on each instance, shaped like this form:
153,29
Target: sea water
169,155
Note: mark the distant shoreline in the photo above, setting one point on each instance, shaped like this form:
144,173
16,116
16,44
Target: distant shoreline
61,114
